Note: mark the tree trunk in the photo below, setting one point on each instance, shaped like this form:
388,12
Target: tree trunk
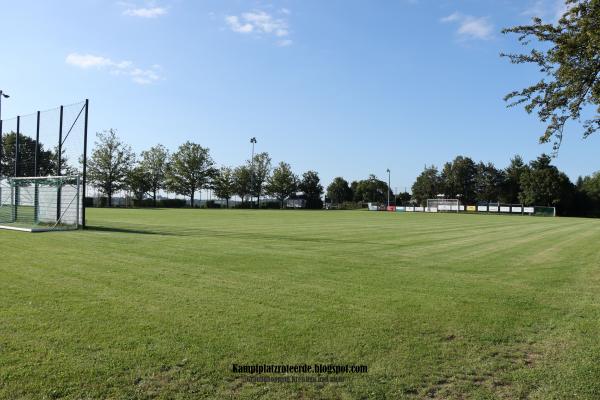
154,197
227,202
192,199
282,204
109,194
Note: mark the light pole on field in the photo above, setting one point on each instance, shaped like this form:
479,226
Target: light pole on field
388,188
253,141
2,95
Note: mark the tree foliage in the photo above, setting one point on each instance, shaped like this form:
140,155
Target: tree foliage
139,182
312,188
371,190
339,191
427,185
110,163
224,184
282,183
458,179
488,182
47,159
569,60
242,182
190,169
543,184
260,167
511,187
154,163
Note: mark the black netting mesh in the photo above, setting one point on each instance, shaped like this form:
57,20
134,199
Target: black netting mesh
42,144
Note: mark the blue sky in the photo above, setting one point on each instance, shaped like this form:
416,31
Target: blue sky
343,87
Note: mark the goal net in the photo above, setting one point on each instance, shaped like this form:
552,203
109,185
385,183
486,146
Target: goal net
443,205
40,203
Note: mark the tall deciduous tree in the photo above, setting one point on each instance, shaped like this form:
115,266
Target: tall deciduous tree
261,168
282,183
543,184
312,188
370,190
458,178
339,191
46,162
190,169
569,59
139,182
427,185
224,184
242,182
110,163
154,162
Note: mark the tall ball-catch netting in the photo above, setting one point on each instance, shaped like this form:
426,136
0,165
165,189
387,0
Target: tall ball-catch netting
43,169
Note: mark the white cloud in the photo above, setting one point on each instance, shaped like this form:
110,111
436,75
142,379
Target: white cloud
138,75
87,60
470,27
551,10
261,23
236,26
145,12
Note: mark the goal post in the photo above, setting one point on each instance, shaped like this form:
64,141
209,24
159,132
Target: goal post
443,205
46,203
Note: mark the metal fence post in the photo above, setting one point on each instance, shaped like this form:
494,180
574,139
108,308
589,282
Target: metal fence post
59,165
85,136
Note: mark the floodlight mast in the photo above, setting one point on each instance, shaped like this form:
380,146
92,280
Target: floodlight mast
253,141
388,188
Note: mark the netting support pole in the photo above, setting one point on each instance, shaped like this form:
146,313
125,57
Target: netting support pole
17,134
16,189
85,136
59,164
1,147
36,192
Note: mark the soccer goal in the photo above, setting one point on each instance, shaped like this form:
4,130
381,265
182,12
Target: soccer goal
443,205
37,204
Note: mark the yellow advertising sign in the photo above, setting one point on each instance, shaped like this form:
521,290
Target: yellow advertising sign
471,208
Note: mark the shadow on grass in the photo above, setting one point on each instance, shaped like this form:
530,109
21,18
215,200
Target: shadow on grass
125,230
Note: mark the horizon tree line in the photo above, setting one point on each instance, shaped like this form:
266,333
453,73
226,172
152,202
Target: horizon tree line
114,167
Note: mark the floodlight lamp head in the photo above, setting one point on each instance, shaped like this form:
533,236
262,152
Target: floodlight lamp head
4,94
253,140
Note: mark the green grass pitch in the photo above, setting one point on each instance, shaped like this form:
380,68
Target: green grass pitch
160,303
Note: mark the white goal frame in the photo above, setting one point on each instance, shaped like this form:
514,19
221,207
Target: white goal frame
443,205
41,204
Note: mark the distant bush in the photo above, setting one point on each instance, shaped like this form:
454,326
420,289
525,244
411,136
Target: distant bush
172,203
211,204
273,205
350,205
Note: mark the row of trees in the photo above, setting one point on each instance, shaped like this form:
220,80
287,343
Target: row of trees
113,167
370,190
536,183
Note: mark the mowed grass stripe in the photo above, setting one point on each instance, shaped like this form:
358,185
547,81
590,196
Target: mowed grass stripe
159,303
